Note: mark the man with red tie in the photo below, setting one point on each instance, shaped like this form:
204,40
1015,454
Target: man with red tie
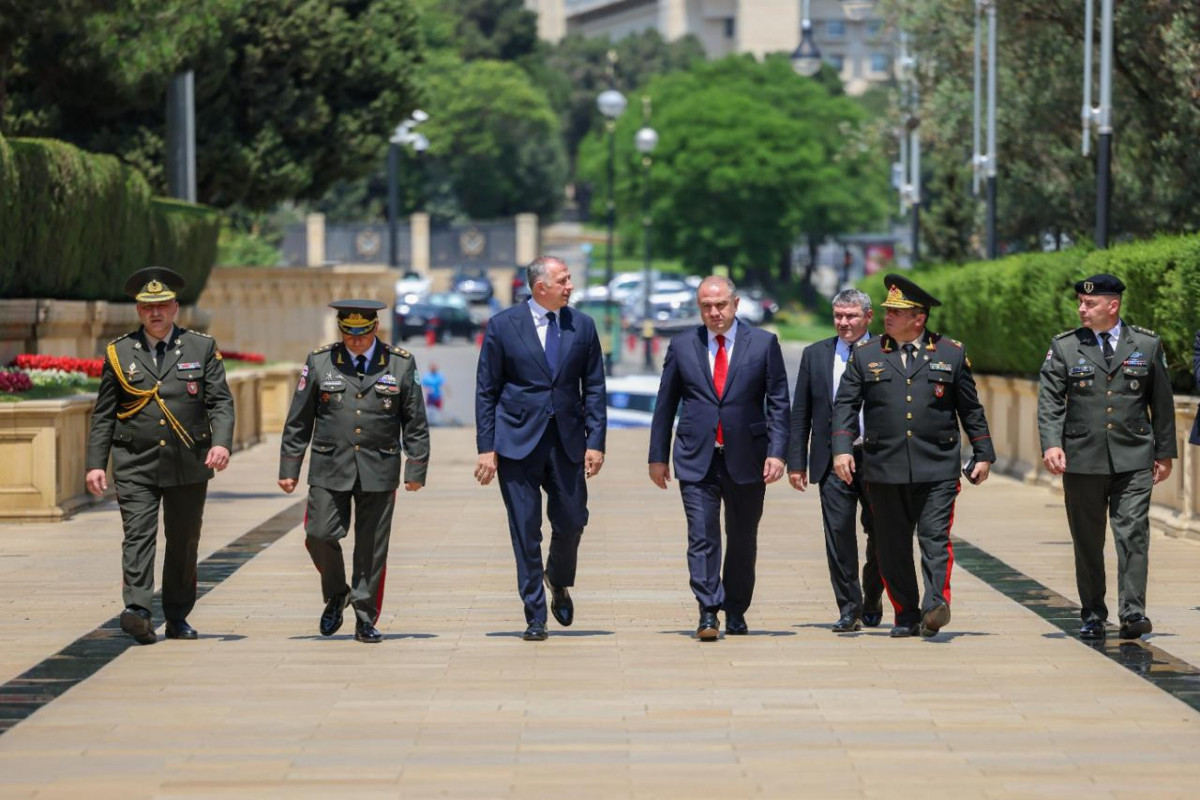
728,382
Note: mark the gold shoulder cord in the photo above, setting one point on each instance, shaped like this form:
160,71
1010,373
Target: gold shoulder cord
144,396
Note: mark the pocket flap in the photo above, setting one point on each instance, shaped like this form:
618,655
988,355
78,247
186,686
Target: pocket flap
947,437
322,446
1074,431
758,429
386,389
940,377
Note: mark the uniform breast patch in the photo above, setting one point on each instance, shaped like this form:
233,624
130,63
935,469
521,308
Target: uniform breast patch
941,366
387,379
189,365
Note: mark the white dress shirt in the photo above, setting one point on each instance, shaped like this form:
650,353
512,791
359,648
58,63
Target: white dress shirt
541,322
841,354
730,337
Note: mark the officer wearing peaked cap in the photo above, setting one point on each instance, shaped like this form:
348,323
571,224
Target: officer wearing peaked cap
1107,425
359,403
165,414
915,388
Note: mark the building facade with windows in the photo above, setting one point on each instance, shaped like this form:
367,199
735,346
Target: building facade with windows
850,36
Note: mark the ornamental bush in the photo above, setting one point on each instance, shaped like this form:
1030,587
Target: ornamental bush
1006,311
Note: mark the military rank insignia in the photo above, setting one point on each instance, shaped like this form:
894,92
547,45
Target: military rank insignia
939,390
193,388
303,379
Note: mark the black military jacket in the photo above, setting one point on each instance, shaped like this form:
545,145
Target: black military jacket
1117,418
911,422
357,426
145,448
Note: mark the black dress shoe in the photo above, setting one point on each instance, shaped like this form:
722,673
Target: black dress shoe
735,624
366,633
903,631
934,620
331,617
1092,630
179,629
1135,627
847,624
561,605
536,632
709,629
137,623
871,619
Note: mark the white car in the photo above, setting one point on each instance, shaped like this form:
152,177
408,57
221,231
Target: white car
631,400
412,287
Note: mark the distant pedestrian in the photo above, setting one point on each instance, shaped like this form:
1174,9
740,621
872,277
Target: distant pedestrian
433,381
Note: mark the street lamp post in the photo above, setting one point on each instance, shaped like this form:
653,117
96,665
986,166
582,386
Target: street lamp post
806,58
403,135
1101,115
611,104
985,165
645,141
910,145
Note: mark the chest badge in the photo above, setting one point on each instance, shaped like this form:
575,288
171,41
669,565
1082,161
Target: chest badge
193,388
132,371
387,403
939,390
1134,385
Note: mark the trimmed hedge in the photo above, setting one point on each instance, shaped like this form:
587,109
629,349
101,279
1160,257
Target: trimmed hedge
74,225
1006,311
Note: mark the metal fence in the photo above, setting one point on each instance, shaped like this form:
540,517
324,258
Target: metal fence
475,245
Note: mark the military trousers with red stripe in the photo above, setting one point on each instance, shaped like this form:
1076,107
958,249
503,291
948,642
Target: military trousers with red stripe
900,509
327,522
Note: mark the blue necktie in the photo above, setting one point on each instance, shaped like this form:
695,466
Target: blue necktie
552,342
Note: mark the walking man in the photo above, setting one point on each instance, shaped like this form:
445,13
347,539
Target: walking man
1106,418
165,414
359,403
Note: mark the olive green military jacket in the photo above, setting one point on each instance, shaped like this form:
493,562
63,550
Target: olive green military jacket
145,447
1124,413
910,418
357,426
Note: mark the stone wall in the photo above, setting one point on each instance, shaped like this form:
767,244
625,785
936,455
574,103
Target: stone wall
75,328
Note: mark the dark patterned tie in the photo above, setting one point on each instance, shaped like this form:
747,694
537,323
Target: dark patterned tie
552,342
160,352
910,360
1106,337
360,364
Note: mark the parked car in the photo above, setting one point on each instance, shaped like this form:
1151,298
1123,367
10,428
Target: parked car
631,400
472,284
520,288
446,321
411,287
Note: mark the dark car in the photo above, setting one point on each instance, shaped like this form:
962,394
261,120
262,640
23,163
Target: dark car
416,319
520,288
473,285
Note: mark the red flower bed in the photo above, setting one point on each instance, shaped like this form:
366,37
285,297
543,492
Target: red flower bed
250,358
91,367
14,381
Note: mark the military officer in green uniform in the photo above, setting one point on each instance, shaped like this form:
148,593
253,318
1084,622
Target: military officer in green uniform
165,413
914,387
1107,425
358,401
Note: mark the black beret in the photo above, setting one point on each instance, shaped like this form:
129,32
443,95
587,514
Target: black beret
1100,284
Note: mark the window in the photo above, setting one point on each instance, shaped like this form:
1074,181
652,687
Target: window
874,28
730,27
881,62
835,29
837,62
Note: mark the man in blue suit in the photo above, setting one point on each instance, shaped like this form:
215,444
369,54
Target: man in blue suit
729,384
540,424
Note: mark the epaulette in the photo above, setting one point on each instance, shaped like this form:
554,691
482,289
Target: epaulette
862,342
1146,331
954,342
325,348
398,351
122,336
1065,333
198,333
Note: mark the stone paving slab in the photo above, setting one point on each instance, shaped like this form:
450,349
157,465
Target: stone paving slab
622,704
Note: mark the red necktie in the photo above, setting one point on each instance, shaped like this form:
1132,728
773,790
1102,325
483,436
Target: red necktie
720,367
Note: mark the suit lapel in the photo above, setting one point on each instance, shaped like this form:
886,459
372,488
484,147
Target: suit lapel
522,323
1089,346
566,337
700,345
824,377
343,363
1124,349
174,351
923,353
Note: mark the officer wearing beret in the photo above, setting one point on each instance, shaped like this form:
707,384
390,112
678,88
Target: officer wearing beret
914,387
359,403
165,414
1107,425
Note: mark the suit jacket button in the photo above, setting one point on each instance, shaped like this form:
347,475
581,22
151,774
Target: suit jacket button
909,381
162,422
1109,426
910,415
358,396
910,434
162,442
356,448
358,430
909,398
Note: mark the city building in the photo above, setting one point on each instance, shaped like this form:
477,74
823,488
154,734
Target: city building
850,35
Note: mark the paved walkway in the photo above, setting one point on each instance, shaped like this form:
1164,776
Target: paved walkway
623,704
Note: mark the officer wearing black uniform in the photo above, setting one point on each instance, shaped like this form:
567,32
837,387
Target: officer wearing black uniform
914,387
1106,418
357,401
165,413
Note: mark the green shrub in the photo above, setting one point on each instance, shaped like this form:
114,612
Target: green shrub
1006,311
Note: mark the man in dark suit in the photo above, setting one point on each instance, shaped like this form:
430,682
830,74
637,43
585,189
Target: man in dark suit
165,414
914,388
1106,420
540,424
821,370
728,382
359,402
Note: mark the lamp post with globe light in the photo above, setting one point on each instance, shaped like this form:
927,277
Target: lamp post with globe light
645,141
403,135
806,58
611,104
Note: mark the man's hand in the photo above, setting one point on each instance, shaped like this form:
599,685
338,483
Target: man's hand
798,479
485,468
981,472
287,484
218,458
1055,459
773,470
660,474
412,486
843,466
593,460
1162,470
97,482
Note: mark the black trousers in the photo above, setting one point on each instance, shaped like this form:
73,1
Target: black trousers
702,502
898,509
183,514
326,523
839,501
